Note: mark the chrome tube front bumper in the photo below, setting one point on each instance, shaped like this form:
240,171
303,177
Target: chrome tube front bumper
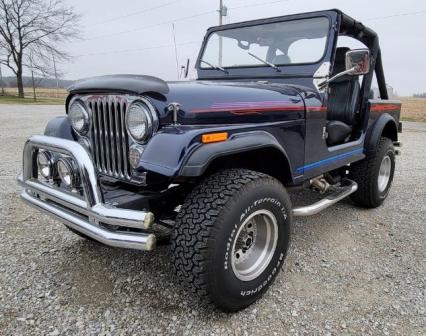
84,214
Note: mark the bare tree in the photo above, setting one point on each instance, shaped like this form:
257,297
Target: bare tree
32,33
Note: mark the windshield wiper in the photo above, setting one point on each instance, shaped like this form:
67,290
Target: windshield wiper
214,66
264,62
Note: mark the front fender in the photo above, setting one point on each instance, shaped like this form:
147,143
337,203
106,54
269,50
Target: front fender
59,127
166,150
199,160
174,153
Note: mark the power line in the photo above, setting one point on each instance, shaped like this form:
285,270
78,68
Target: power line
137,50
150,26
213,11
259,4
395,15
368,19
181,19
134,13
209,12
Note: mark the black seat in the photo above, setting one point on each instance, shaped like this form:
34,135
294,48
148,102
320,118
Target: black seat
343,102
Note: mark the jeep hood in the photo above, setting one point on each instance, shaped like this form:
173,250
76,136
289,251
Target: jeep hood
234,102
136,84
205,102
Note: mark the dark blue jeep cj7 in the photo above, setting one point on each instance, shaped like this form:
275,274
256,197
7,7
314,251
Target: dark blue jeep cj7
279,103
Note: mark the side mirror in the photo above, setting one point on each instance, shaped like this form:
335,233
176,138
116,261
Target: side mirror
358,62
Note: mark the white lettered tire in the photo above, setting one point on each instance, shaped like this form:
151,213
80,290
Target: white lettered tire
232,236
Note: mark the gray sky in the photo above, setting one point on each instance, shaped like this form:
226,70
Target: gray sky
116,45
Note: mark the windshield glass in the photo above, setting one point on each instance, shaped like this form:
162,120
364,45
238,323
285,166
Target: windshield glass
280,43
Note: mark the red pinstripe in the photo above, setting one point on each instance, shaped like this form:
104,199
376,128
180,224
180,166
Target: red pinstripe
384,107
242,108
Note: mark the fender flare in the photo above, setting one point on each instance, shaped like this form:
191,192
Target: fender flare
59,127
199,159
385,124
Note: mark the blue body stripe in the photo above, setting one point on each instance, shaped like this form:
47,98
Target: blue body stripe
329,160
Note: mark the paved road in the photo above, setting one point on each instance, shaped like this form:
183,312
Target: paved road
349,271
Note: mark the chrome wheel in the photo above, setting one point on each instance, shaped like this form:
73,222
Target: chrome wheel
254,245
384,173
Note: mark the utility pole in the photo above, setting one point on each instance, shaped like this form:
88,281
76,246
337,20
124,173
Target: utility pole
220,12
223,11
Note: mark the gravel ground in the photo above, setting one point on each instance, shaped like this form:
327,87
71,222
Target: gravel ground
349,271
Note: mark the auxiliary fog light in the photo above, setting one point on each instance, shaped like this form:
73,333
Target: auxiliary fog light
68,172
45,164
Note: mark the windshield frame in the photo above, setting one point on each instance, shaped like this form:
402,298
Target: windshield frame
261,71
207,38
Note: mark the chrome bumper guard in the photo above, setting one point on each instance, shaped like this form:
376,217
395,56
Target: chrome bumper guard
82,214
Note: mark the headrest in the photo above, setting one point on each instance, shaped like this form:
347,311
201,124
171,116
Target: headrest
339,61
281,59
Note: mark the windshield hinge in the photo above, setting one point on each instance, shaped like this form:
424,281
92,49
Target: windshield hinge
324,133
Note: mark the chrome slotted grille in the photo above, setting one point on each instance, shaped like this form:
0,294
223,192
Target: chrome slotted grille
109,137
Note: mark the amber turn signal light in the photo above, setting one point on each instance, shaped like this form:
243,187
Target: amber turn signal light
214,137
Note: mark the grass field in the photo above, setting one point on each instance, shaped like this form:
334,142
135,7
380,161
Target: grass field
40,92
44,96
30,101
413,109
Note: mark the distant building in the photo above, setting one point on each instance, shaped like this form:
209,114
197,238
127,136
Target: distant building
391,92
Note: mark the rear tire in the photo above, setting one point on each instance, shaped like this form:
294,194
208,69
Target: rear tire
374,175
231,237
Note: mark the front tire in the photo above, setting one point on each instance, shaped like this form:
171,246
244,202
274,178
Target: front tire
231,237
374,175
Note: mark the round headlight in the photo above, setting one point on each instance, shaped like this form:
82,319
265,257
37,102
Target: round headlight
139,121
45,164
67,172
78,117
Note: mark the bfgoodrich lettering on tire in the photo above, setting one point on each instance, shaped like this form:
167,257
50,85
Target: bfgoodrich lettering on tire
231,237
